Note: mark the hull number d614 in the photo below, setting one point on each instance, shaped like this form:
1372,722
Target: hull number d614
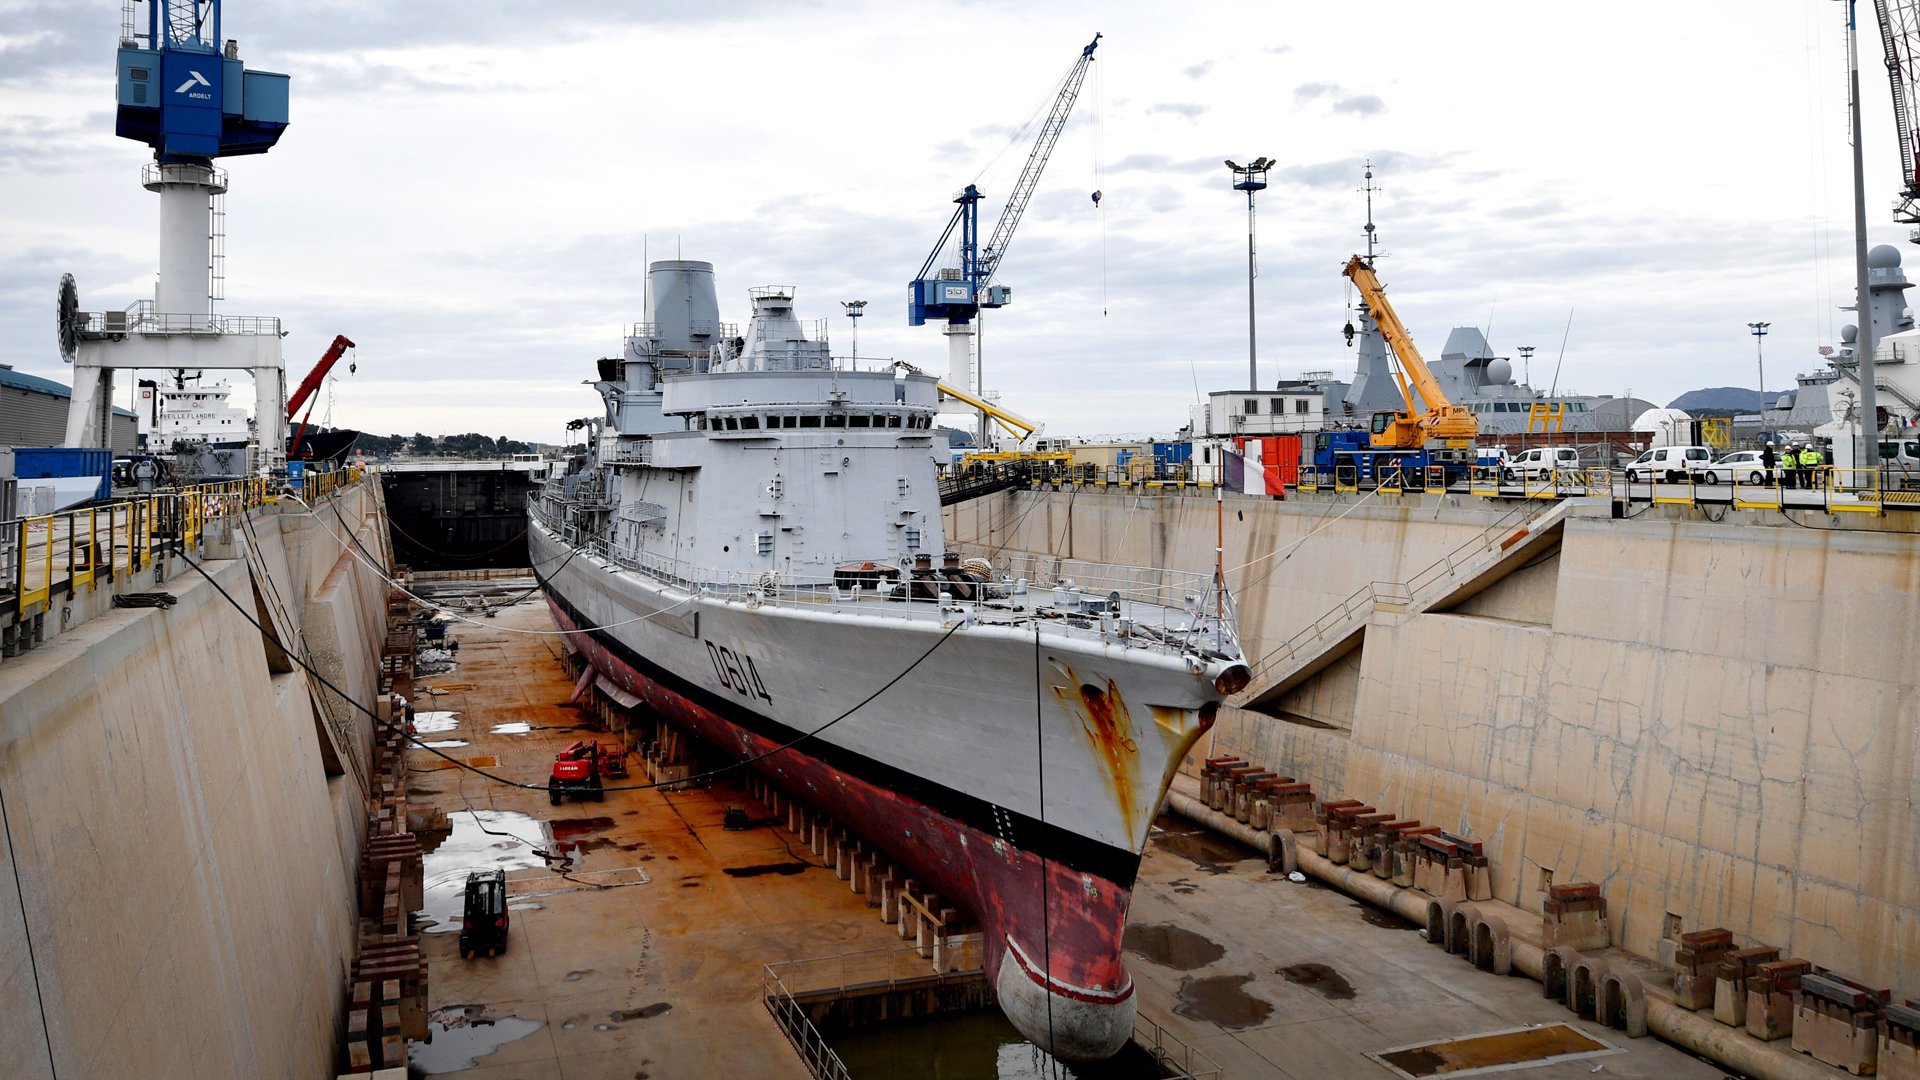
737,673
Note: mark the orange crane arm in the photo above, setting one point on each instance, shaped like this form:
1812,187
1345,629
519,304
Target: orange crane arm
312,381
1441,419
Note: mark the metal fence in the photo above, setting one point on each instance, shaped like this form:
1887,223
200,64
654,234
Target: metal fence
47,555
1175,1058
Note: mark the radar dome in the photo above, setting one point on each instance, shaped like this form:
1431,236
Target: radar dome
1883,257
1849,334
1499,372
1664,427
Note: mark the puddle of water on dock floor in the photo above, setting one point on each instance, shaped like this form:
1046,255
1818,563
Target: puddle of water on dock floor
469,847
444,744
974,1046
1384,919
1171,946
516,727
1319,978
574,827
433,723
784,869
460,1035
1211,853
1222,1000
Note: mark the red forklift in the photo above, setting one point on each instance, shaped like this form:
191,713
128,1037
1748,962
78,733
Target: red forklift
576,771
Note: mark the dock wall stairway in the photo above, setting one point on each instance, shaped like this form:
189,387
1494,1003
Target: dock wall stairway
1501,548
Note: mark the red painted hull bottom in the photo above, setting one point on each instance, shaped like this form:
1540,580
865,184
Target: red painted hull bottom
1059,976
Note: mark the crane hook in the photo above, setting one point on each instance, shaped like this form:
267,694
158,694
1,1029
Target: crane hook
1348,330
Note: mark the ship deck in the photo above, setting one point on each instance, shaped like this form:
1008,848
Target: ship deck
1169,611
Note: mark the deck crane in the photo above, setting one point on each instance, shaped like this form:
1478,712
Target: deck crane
957,295
1900,41
304,394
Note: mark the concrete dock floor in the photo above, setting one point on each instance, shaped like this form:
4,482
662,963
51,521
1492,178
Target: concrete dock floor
659,975
592,967
1332,979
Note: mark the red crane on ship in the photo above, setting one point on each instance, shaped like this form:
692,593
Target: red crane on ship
304,394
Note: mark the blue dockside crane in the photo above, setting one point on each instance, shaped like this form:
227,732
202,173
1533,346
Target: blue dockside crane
958,296
185,93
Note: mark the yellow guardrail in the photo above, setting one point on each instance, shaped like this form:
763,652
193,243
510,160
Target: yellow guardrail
1346,478
1309,479
1857,491
76,549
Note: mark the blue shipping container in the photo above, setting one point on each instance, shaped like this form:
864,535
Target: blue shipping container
43,462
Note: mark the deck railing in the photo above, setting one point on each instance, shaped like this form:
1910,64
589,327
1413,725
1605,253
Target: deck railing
1174,602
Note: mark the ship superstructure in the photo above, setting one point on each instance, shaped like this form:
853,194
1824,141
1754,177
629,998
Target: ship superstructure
755,551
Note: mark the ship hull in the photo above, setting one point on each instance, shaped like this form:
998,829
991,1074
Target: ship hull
940,771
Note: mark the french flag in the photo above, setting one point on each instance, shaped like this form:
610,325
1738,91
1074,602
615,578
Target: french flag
1246,473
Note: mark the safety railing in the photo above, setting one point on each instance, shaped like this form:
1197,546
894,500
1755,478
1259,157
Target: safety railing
1180,605
1175,1058
1470,555
74,550
819,1058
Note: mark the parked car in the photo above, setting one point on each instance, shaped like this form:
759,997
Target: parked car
1668,464
1744,466
1541,461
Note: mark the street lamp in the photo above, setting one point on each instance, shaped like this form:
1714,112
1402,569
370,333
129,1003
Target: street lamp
1759,354
855,309
1250,178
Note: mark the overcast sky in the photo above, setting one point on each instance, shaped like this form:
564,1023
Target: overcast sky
467,188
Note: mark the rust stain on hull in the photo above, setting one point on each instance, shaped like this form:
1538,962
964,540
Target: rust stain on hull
1108,725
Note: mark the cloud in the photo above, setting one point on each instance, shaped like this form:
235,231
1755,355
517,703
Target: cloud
1338,99
1347,172
1161,163
44,142
71,36
1190,110
1361,105
1198,70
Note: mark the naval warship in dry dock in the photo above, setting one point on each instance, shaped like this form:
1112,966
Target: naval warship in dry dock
755,550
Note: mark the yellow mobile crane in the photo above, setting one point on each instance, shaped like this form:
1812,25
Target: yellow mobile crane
1441,425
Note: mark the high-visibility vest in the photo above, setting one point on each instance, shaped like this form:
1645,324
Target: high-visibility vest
1811,458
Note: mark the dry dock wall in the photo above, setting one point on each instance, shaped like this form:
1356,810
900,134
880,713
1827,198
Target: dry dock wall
1714,721
177,897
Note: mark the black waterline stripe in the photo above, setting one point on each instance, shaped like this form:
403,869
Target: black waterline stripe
1079,853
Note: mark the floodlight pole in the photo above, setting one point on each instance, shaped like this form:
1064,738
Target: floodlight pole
855,309
1251,178
1760,358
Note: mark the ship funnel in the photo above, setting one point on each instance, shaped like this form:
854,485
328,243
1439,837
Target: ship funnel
681,305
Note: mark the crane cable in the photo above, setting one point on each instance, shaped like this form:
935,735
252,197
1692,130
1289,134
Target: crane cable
1100,171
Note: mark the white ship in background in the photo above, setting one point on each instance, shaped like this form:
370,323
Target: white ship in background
755,550
191,411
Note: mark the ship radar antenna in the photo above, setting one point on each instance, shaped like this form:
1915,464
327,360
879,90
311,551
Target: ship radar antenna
1370,188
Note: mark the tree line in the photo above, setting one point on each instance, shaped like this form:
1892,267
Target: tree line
420,444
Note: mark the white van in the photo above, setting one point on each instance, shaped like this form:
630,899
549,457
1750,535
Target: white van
1542,461
1669,464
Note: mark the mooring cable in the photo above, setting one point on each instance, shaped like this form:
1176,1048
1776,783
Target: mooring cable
456,762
